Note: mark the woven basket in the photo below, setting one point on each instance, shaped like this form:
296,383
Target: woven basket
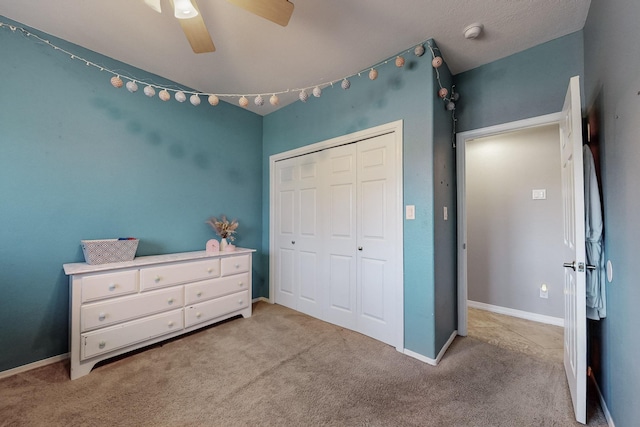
109,250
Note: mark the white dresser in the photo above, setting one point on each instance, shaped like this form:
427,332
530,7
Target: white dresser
119,307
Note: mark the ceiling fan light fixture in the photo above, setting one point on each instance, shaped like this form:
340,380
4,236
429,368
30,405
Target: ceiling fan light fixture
184,9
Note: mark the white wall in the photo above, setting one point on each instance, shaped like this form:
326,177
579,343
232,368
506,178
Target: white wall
514,243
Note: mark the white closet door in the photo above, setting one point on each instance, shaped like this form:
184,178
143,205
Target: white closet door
286,285
339,217
377,240
309,241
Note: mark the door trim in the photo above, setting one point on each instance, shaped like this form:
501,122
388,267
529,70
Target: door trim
392,127
461,141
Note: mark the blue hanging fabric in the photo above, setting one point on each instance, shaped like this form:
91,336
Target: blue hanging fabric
594,228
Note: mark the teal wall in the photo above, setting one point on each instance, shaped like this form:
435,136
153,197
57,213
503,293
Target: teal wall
445,233
527,84
406,94
612,85
80,159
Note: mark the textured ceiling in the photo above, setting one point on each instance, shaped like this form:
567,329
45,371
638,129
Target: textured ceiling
324,41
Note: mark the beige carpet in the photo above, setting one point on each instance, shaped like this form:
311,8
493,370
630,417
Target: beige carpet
283,368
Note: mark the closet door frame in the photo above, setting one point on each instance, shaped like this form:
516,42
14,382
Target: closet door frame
392,127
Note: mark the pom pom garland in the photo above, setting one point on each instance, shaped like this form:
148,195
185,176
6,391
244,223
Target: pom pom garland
116,81
213,100
437,62
274,100
399,62
346,84
149,91
164,95
244,102
303,95
419,50
194,100
443,92
317,91
132,86
180,96
373,74
259,101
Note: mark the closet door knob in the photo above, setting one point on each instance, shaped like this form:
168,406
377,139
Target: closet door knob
359,248
293,242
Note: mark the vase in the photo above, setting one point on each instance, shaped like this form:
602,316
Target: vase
223,244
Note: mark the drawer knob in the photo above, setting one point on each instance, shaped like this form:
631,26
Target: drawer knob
240,284
237,265
157,279
170,323
170,301
112,287
102,316
239,302
210,270
199,294
198,315
102,344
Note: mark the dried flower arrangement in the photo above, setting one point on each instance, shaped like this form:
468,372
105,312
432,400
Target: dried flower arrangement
223,227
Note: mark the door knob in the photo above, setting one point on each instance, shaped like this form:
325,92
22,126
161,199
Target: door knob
579,266
591,267
293,242
359,248
571,265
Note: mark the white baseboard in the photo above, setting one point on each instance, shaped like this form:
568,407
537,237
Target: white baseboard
603,404
30,366
429,360
557,321
260,299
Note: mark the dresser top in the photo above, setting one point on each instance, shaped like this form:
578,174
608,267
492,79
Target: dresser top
83,267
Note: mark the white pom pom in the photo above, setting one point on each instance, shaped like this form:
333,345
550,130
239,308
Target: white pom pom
346,84
399,61
180,96
259,101
132,86
303,96
149,91
164,95
194,99
274,100
213,100
436,62
317,91
243,102
451,106
419,50
373,74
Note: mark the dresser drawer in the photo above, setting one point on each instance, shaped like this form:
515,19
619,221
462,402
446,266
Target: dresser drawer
208,289
211,309
115,337
101,314
167,275
234,265
109,285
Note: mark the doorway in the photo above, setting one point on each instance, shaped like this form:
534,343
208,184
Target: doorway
506,200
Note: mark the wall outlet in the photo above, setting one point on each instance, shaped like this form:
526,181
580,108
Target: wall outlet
544,291
410,212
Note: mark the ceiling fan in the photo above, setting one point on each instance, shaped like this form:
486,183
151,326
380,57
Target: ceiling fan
187,12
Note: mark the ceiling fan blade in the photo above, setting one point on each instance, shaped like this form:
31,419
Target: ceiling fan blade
196,32
278,11
154,4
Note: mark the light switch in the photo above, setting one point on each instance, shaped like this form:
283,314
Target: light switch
445,213
410,211
539,194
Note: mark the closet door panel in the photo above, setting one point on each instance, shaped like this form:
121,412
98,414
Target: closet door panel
340,223
309,245
376,219
286,288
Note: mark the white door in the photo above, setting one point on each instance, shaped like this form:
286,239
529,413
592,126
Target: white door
340,225
286,175
377,239
575,317
298,235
